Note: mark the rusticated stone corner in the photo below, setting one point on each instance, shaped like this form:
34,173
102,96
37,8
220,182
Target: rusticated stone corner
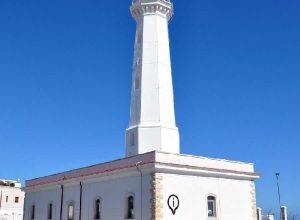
157,197
253,201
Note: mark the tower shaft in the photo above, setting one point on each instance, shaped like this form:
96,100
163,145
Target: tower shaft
152,124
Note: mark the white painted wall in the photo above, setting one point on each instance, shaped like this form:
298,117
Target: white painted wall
10,210
11,217
234,201
189,177
41,199
112,191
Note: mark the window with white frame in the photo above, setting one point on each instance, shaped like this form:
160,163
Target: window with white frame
211,206
70,211
130,207
97,208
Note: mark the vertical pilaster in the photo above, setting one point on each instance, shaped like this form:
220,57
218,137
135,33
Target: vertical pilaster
157,197
253,201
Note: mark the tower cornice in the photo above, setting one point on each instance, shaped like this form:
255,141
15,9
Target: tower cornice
140,8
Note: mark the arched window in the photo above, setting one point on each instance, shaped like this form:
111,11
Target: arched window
70,211
130,207
97,209
50,211
211,206
32,212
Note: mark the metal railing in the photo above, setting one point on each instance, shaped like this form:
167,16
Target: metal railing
167,2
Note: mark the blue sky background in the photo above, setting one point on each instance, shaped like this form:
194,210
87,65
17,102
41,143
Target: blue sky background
65,71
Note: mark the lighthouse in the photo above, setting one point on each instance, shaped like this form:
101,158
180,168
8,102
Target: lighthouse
154,181
152,125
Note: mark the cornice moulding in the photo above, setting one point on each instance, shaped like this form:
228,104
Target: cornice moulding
152,7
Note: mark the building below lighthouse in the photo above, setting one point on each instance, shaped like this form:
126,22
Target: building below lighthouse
154,181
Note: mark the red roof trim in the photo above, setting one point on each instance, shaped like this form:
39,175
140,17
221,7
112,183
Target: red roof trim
71,175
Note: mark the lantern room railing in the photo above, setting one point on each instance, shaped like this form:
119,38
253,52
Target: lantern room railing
167,2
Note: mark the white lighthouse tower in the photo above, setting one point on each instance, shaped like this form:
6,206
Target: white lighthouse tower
154,181
152,124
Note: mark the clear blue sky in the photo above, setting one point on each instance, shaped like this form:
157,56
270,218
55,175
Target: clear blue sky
65,71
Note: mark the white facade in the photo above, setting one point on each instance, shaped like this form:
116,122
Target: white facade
11,200
112,192
152,119
192,179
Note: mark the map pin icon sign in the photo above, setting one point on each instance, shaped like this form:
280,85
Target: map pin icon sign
173,203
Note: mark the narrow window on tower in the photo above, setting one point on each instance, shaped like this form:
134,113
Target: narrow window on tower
137,83
6,199
139,39
211,206
137,62
33,212
16,199
50,211
131,139
130,207
70,211
97,208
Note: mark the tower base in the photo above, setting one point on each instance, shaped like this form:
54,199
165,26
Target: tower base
143,139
